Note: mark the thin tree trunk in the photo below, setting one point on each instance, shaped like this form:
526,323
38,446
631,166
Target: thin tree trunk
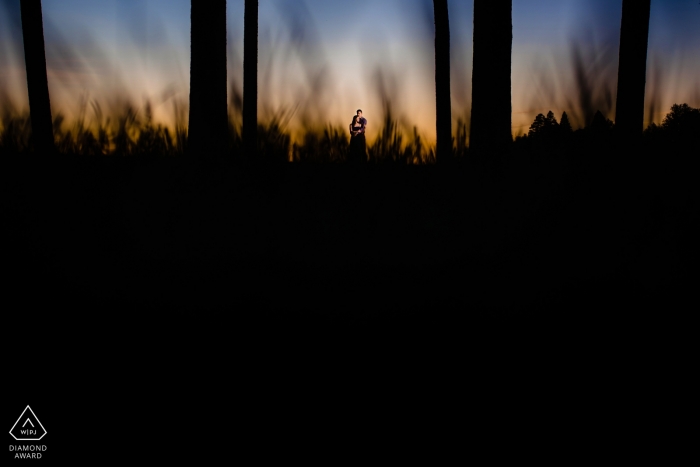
250,79
37,81
491,77
442,81
208,124
631,77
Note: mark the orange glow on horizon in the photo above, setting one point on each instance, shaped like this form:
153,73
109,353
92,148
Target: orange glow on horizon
323,82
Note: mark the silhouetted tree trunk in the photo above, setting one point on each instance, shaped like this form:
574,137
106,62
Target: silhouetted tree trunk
491,84
208,125
631,75
250,78
442,81
37,81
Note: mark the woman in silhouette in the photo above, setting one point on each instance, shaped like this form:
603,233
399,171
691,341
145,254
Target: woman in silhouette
358,144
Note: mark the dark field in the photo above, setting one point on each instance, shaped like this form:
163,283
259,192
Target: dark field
177,239
212,293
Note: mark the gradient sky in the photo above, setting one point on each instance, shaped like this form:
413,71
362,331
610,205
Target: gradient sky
320,60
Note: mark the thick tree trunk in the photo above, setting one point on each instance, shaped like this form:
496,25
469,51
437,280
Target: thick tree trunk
442,81
250,79
208,125
491,84
631,75
37,81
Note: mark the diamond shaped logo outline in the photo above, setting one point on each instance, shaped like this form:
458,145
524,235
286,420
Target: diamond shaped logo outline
35,418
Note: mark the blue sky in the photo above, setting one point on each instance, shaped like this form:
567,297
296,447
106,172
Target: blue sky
322,59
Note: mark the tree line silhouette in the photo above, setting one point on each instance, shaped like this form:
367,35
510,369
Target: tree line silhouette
680,127
211,133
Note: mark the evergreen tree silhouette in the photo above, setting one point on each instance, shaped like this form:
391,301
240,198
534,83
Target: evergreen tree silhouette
631,78
678,134
442,81
250,78
37,81
565,125
491,76
208,125
537,126
544,126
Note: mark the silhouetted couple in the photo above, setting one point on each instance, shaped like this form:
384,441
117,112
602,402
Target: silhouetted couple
358,144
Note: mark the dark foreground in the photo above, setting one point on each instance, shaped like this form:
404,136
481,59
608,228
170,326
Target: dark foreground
183,240
161,273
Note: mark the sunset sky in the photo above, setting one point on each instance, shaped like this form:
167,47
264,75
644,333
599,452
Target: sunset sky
326,58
